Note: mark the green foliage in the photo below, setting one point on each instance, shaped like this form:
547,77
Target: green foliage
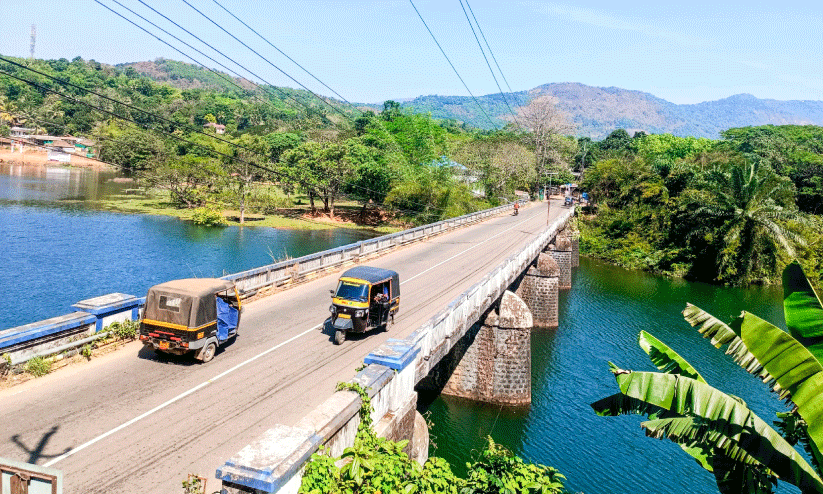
86,351
123,330
744,454
709,210
499,470
377,465
38,366
208,217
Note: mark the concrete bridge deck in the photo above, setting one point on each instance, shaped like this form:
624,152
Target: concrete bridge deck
131,422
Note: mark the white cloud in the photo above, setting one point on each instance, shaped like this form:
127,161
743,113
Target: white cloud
604,19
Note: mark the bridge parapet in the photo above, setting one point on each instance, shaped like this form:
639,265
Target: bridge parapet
392,371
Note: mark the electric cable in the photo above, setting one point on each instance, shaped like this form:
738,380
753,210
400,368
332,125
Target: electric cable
489,47
452,66
488,64
220,74
282,53
265,59
229,58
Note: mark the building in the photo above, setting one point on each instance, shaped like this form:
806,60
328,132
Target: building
218,128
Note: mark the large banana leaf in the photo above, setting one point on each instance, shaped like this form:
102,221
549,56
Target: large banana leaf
803,310
733,477
620,404
721,334
791,369
692,431
666,359
725,416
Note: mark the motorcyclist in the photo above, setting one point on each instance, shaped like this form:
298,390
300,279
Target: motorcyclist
516,207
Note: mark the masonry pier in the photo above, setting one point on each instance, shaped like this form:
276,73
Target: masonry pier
539,290
496,368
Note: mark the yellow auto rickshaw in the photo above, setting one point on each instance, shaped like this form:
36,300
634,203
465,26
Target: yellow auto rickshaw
366,298
191,315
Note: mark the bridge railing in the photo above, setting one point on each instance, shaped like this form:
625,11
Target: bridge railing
69,331
274,462
294,270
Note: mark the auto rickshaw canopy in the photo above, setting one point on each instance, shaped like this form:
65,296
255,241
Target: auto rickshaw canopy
188,302
375,275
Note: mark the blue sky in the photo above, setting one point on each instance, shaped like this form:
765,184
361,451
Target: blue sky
373,50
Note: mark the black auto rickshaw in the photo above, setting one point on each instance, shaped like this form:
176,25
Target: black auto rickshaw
191,315
366,298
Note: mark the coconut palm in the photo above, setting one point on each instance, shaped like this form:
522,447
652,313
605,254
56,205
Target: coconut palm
755,209
7,110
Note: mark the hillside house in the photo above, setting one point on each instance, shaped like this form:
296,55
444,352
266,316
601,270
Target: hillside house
218,128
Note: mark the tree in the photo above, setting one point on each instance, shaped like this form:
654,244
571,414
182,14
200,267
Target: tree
547,126
242,171
321,169
755,211
391,110
189,179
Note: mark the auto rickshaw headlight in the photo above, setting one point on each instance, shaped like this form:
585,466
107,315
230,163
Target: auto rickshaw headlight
358,313
332,309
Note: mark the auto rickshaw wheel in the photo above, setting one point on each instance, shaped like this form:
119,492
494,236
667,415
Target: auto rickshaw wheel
339,337
209,351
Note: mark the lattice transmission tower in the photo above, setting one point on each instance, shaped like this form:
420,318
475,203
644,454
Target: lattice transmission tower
33,38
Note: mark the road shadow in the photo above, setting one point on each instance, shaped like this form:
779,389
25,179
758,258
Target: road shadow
329,331
36,452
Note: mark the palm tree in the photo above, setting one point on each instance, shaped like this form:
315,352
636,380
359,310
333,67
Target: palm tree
7,110
756,212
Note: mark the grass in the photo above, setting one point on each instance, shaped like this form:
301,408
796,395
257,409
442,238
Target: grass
157,202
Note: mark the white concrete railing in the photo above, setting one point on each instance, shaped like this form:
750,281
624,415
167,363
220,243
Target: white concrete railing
295,269
274,462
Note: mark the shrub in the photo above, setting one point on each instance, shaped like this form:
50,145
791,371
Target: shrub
208,217
38,366
125,330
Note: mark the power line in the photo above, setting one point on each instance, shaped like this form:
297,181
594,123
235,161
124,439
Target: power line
452,66
265,59
207,149
281,52
170,134
282,93
489,47
488,64
223,76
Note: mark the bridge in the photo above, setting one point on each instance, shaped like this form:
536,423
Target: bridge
131,421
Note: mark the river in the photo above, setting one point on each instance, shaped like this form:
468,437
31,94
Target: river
59,250
600,318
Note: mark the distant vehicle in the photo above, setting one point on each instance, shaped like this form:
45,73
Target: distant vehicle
366,298
191,315
569,201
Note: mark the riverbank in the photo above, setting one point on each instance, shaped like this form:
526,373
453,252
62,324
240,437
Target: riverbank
155,202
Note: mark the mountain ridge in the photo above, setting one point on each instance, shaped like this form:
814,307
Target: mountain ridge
595,111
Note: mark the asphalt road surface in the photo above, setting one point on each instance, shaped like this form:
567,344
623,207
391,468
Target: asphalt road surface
135,422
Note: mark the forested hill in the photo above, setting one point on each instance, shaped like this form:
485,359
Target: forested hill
596,111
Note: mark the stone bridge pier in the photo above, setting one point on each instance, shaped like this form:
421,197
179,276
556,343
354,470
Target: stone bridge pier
539,289
496,367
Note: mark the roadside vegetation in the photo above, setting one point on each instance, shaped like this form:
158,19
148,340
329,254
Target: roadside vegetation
376,464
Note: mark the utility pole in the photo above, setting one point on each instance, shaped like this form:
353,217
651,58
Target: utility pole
33,38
